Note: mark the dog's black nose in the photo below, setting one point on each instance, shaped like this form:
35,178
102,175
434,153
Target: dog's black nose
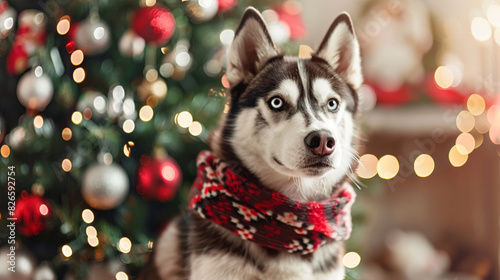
320,142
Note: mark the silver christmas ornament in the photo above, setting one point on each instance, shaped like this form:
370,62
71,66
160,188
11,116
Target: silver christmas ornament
44,272
131,44
35,89
23,261
93,36
202,10
104,186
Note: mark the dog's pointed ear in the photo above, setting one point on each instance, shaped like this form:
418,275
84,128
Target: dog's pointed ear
340,48
251,48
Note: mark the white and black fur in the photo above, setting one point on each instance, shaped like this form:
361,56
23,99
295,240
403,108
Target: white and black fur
303,149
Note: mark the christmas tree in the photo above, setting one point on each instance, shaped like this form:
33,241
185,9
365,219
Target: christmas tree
103,109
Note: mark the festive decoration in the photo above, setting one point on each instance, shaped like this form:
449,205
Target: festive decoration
16,138
445,96
290,13
131,44
201,10
159,180
94,101
7,19
152,90
155,24
31,213
35,89
30,36
391,96
44,272
392,56
92,36
268,218
20,261
225,5
104,186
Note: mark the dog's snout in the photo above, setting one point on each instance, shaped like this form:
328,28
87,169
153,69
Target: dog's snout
320,142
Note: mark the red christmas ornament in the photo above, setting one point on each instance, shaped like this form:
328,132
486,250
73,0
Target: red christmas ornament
159,180
290,13
31,213
155,24
225,5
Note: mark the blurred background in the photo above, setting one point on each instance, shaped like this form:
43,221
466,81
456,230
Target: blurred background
104,106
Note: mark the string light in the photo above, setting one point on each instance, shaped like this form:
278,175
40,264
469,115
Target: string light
8,23
182,59
120,275
66,134
125,245
195,128
87,216
465,121
444,77
367,167
63,25
424,165
128,126
38,121
495,134
456,158
481,29
476,104
351,260
79,75
478,139
168,173
146,113
67,251
493,15
225,81
388,167
66,165
465,143
184,119
43,209
93,241
77,57
494,115
91,231
127,148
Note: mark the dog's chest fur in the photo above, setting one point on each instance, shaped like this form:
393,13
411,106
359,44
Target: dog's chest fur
194,248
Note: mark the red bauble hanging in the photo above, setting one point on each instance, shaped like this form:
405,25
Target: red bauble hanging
159,180
397,96
225,5
290,13
155,24
31,213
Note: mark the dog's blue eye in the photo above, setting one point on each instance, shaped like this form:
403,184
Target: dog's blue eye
276,103
333,104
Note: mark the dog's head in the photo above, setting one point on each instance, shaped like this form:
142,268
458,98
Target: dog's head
291,118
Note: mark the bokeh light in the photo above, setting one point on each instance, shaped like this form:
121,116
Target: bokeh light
38,122
63,25
367,167
120,275
465,121
125,245
444,77
424,165
465,143
195,128
67,251
351,260
66,134
184,119
128,126
456,158
79,75
87,216
481,29
77,57
476,104
146,113
388,167
66,165
5,151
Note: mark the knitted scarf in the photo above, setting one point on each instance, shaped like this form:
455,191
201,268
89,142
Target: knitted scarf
266,217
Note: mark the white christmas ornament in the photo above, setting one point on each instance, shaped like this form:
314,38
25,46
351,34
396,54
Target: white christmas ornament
23,262
44,272
202,10
131,44
35,89
94,101
104,186
7,20
93,36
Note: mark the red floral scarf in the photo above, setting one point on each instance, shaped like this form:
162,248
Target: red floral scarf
266,217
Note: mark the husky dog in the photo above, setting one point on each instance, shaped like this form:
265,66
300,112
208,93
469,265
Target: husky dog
290,129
